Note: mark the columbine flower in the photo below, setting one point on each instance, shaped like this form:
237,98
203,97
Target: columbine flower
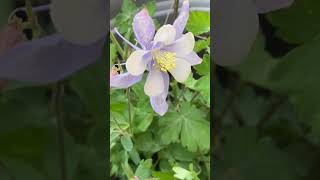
164,52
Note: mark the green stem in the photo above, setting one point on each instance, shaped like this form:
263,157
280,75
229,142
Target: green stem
180,95
157,162
58,99
194,96
129,111
126,46
119,48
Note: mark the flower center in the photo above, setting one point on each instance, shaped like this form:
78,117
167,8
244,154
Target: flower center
165,60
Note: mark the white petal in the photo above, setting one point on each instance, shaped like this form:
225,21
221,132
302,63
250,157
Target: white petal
135,64
182,46
165,34
182,70
154,85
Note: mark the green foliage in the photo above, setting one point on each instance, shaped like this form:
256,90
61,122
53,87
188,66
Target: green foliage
28,136
198,23
147,146
306,13
267,109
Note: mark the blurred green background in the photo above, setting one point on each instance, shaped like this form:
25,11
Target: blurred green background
267,110
28,129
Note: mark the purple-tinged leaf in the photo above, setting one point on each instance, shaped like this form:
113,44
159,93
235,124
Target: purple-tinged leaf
47,60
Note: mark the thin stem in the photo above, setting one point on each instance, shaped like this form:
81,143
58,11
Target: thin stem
126,46
115,41
157,162
168,14
58,99
194,96
120,129
274,106
129,111
201,37
34,9
176,9
181,94
125,40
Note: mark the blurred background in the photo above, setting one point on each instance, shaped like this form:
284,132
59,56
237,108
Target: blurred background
29,146
266,109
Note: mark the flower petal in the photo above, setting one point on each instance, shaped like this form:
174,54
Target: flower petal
181,21
182,46
182,70
159,103
264,6
47,60
192,58
165,34
143,28
136,64
154,85
80,22
124,80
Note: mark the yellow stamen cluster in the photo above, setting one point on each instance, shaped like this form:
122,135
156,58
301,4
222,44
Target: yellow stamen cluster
165,60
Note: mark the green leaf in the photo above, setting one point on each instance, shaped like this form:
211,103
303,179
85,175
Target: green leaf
141,120
113,53
91,164
296,76
257,66
151,147
124,19
249,108
189,124
170,127
302,16
177,152
247,157
134,155
204,67
201,44
201,85
90,84
32,105
163,175
181,173
128,6
51,156
195,132
199,22
26,143
126,142
20,170
151,6
127,170
144,169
